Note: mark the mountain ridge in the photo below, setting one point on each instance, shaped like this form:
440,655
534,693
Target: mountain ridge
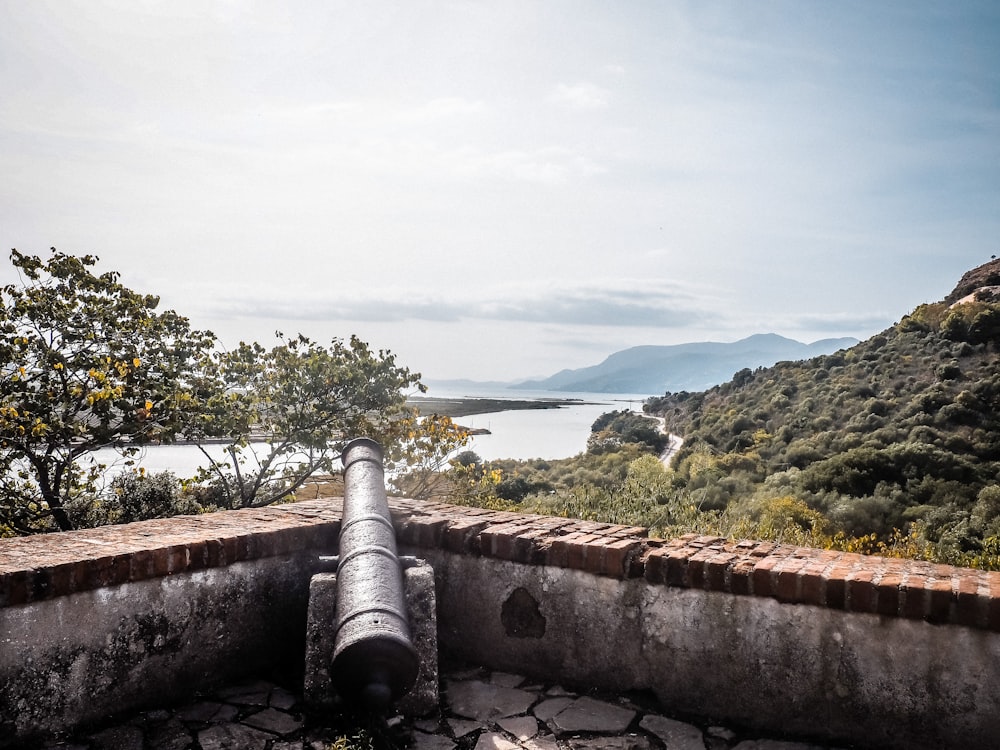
690,366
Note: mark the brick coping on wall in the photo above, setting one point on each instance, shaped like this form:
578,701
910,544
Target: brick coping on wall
46,566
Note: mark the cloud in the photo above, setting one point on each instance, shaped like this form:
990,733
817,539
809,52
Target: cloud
581,96
445,108
841,322
553,165
619,304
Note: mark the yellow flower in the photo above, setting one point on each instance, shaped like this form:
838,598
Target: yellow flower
136,362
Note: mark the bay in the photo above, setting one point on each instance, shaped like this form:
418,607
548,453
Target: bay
519,434
538,433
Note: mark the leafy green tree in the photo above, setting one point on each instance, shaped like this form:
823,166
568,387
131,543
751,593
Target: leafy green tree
287,411
426,454
85,363
137,495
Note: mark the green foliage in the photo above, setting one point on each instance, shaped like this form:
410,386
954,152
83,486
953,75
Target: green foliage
423,452
84,363
287,411
897,432
891,447
135,495
614,429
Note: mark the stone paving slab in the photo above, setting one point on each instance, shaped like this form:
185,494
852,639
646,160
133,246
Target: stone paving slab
479,700
549,707
676,735
589,715
479,711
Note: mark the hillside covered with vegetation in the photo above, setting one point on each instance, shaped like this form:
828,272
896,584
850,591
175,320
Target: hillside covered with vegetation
898,433
890,446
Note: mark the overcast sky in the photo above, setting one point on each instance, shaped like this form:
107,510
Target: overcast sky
498,190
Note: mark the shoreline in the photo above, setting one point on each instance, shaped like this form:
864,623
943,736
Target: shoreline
464,407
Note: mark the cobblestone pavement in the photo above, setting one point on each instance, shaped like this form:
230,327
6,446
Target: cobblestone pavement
479,711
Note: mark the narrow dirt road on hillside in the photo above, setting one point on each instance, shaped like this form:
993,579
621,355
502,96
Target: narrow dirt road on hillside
674,442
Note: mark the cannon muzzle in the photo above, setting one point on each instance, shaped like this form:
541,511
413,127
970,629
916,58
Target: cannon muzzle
374,662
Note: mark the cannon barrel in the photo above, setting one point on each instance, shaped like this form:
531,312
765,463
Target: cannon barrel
374,662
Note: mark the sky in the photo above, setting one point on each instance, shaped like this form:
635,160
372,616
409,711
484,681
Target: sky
500,190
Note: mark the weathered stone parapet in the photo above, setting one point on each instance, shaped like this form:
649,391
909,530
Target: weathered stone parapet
880,652
890,587
46,566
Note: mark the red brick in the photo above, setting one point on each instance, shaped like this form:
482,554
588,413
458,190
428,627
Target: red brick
532,545
967,603
887,590
786,579
680,541
939,592
993,605
632,531
705,540
230,549
695,573
861,591
16,587
177,558
250,548
717,571
593,560
761,582
214,554
585,553
915,599
499,541
571,550
558,552
108,570
617,555
636,560
764,549
463,536
35,569
836,586
811,583
740,576
198,554
655,565
677,563
160,563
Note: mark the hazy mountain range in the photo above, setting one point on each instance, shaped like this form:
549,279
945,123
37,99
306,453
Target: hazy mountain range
681,367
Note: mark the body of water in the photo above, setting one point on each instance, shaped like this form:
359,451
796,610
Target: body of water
520,434
539,433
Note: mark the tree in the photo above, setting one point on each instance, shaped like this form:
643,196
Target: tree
427,452
287,411
85,363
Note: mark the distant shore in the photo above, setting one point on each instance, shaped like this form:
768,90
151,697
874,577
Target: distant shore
464,407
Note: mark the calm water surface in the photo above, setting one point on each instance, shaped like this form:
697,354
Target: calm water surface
522,434
540,433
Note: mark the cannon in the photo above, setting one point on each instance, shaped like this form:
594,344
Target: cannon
374,661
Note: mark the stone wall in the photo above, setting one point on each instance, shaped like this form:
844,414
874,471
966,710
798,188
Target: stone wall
836,646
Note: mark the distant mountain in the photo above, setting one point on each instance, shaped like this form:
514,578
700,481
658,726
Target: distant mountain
682,367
